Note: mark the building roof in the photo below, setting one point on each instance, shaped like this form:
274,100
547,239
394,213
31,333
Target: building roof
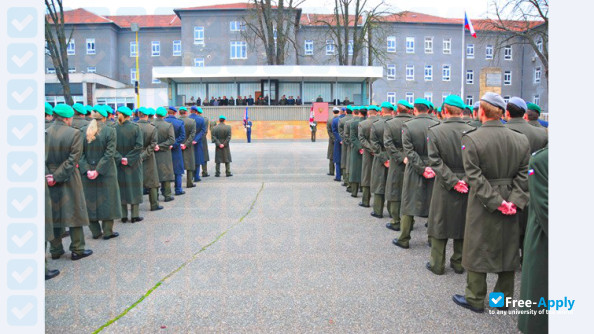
231,6
414,17
83,16
146,21
310,19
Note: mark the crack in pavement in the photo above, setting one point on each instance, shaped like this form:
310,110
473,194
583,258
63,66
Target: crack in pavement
190,260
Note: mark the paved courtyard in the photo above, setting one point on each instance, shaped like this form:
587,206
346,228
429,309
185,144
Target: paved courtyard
278,247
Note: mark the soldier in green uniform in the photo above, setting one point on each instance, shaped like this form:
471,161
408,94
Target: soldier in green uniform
535,266
127,157
364,132
496,166
99,176
208,127
393,143
356,156
187,147
418,175
447,212
347,143
165,138
49,115
63,148
79,121
532,115
221,135
343,144
467,114
147,156
379,166
330,154
476,122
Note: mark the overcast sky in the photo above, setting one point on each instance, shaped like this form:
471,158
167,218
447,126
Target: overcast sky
445,8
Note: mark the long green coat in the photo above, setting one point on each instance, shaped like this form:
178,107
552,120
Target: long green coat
330,152
188,153
221,134
79,122
356,159
150,176
416,189
496,165
103,193
364,133
447,212
537,136
129,145
393,144
165,138
204,140
346,140
63,148
343,147
49,225
379,172
535,268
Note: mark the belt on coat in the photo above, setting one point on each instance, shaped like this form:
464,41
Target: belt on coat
500,182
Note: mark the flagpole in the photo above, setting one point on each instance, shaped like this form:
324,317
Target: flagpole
462,69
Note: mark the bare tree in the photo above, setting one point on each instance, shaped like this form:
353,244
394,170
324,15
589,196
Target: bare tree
57,44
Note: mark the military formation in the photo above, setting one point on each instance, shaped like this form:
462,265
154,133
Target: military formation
468,171
99,164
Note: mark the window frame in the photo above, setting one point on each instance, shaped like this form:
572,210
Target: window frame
536,99
91,69
428,96
390,49
135,53
133,76
199,40
391,97
507,82
430,49
537,74
410,41
411,95
428,69
351,47
470,51
173,50
330,47
199,60
307,50
91,51
412,69
240,50
443,69
489,55
471,81
71,51
391,68
469,100
155,52
505,55
447,41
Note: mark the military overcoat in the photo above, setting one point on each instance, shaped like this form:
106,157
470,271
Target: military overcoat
364,133
221,134
150,176
379,172
330,138
165,138
129,145
188,153
343,147
180,138
356,158
200,129
205,156
393,144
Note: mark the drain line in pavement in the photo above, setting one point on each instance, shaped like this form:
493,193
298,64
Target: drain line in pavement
181,266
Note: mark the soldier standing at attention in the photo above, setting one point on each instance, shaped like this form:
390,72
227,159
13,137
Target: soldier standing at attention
532,115
149,162
63,148
313,126
346,139
100,176
393,143
127,157
176,149
418,175
356,156
205,156
447,212
165,139
336,155
496,165
380,164
248,130
79,121
330,154
221,135
348,114
200,130
364,133
49,115
188,146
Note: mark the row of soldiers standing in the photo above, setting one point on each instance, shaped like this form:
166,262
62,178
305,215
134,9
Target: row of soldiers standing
469,178
98,167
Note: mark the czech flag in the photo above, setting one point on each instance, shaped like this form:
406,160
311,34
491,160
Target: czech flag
245,117
468,25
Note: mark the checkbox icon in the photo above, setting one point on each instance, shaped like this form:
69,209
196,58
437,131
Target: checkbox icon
21,130
21,22
21,238
22,94
22,274
22,203
496,299
22,310
21,166
22,58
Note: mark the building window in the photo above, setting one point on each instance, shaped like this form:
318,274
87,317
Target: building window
133,49
507,53
444,95
51,70
446,72
91,69
329,47
507,78
469,100
238,50
447,46
133,76
410,72
308,48
237,26
391,97
391,44
91,46
156,81
199,35
71,70
489,52
391,72
506,99
70,49
428,44
537,75
410,97
470,51
539,45
428,73
428,96
350,50
177,49
155,48
469,77
410,45
536,100
199,62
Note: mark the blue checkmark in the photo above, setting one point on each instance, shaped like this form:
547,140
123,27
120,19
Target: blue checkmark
22,58
21,22
22,94
21,202
21,130
21,310
21,166
496,299
21,238
21,274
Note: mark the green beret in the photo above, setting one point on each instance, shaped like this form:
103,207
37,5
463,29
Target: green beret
423,101
350,107
109,109
161,112
88,109
49,109
377,108
101,110
200,110
454,101
146,111
183,109
222,117
151,111
125,110
405,103
532,106
64,110
386,104
79,108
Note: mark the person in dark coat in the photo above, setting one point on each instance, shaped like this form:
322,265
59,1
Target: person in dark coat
248,129
188,147
197,141
176,149
198,102
127,158
79,120
221,135
346,116
380,164
356,156
313,127
250,101
336,154
330,151
100,177
165,140
205,155
150,175
298,101
532,115
364,132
